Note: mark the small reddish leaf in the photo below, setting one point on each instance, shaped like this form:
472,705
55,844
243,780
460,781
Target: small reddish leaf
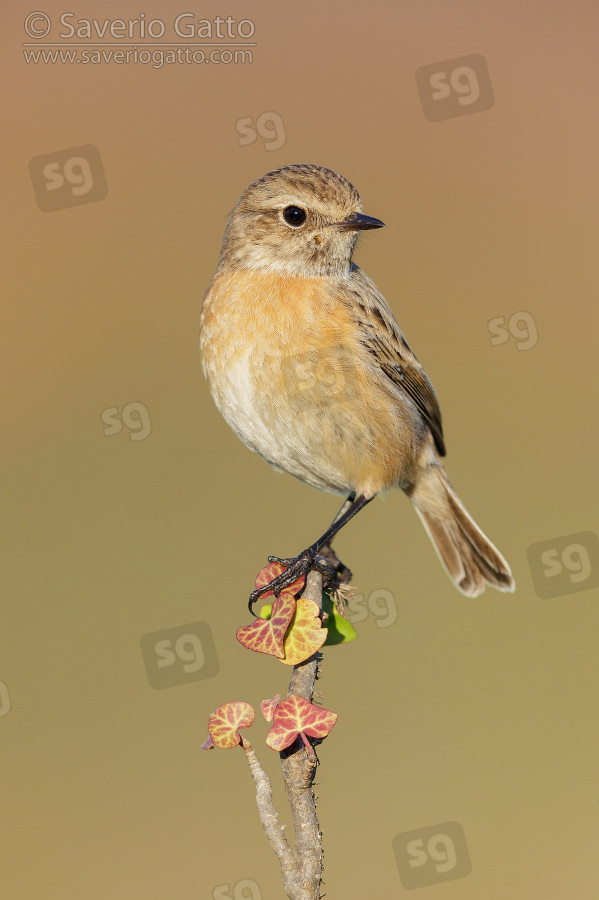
267,635
296,716
268,707
224,722
270,572
305,634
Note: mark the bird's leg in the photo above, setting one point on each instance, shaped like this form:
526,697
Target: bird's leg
342,573
312,557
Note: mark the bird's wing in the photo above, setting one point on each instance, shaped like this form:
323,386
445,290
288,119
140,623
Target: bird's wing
382,337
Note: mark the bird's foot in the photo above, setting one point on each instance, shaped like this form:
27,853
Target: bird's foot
297,567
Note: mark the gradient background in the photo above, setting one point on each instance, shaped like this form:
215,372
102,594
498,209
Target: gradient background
482,711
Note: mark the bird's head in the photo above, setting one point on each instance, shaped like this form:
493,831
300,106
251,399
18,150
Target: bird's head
298,220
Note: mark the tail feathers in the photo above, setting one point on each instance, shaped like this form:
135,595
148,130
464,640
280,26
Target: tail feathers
469,557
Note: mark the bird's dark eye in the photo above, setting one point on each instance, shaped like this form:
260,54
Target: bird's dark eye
295,216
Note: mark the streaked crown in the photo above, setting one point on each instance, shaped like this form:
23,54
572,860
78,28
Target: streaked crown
296,220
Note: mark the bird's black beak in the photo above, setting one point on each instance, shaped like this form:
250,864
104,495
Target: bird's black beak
358,222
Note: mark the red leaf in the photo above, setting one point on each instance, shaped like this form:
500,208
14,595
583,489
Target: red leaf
296,716
224,722
268,707
267,635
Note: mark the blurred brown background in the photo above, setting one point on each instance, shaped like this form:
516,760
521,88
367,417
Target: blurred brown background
130,509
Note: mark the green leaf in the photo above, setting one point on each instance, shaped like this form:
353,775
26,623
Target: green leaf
340,630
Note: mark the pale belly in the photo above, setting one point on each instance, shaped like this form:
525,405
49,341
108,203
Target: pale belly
283,413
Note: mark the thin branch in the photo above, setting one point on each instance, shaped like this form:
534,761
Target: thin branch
268,815
301,869
299,769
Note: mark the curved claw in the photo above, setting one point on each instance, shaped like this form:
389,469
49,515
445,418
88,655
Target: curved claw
295,568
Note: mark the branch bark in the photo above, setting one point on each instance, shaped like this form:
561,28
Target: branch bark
301,869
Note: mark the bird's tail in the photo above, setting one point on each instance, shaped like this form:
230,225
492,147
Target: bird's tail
469,557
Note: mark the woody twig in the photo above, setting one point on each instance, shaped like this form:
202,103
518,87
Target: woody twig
301,869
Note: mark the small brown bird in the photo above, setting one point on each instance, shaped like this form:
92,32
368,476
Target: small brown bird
308,366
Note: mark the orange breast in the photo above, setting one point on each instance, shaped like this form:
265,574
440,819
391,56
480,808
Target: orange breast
285,353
